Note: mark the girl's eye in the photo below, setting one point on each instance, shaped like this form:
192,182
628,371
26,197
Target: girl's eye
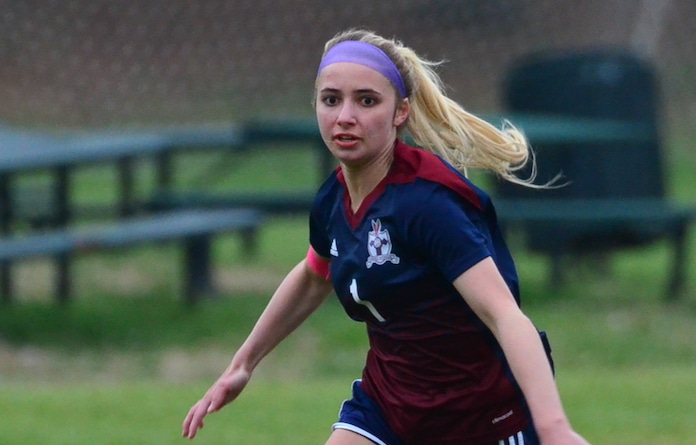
368,101
330,100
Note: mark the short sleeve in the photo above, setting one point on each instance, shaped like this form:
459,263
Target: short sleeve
448,230
320,215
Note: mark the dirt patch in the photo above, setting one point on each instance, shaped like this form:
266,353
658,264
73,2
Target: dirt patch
34,282
105,275
32,364
252,280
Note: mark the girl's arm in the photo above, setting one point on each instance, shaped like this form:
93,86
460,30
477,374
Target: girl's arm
485,291
299,295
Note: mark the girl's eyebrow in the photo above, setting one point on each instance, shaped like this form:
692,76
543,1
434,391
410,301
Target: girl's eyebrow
368,91
359,91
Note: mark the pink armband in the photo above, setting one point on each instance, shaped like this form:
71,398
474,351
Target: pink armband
318,264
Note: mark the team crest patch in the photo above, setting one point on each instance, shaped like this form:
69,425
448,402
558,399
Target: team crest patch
379,246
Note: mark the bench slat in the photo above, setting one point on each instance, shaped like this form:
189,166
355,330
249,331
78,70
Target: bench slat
592,210
274,203
158,227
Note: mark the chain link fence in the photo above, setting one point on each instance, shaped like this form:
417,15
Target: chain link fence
95,63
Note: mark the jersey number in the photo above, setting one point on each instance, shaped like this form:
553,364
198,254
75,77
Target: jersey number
367,304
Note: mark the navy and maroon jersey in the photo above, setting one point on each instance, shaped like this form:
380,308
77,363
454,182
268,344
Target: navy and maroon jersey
433,367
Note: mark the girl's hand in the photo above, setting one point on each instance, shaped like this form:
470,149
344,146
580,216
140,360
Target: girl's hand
223,391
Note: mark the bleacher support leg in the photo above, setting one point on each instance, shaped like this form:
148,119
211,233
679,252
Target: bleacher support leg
6,282
62,264
5,229
676,280
250,241
197,273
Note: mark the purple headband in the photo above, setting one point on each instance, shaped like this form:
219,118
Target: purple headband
366,54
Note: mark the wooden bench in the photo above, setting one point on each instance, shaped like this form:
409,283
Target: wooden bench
286,134
59,156
280,203
193,228
623,222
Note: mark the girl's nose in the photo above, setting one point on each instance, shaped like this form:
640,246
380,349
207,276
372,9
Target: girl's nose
346,115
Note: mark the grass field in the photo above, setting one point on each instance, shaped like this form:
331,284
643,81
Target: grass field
619,385
625,409
123,363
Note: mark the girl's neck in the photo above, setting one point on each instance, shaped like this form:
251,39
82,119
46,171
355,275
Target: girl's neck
363,179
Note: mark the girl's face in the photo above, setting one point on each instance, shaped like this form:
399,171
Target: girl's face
358,113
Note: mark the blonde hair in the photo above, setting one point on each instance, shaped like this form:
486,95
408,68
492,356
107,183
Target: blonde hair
441,125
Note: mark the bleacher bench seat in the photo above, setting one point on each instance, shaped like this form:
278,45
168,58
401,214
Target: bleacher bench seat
193,227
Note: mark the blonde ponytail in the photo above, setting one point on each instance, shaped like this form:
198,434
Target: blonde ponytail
442,126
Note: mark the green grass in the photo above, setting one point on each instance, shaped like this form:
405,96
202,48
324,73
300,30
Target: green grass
633,407
125,360
624,371
642,405
152,413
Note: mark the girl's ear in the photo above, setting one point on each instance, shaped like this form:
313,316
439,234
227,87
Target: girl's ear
402,112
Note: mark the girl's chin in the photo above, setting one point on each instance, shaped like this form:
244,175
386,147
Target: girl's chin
346,155
350,159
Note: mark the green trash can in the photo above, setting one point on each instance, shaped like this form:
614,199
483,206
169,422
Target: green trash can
599,84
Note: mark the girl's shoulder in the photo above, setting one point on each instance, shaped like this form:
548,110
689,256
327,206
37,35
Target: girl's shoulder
426,173
327,195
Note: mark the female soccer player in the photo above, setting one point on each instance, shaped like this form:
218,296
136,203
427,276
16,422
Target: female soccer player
412,249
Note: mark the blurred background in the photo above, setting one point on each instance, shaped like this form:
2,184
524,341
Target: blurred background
78,63
71,66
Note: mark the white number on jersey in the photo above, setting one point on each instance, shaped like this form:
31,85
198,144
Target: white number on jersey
367,304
